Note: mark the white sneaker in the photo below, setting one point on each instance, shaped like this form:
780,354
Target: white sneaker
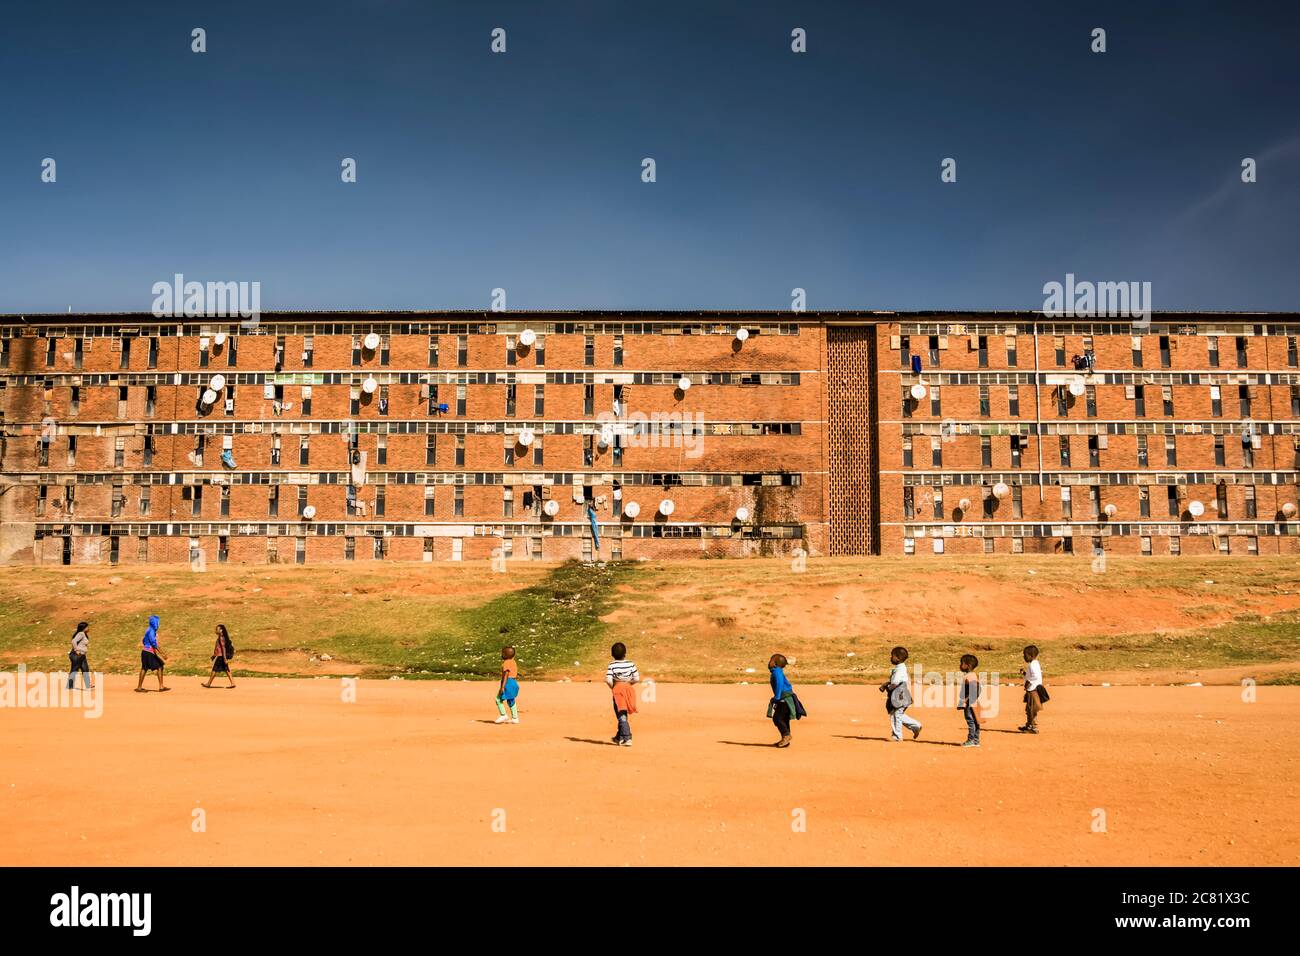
514,720
502,719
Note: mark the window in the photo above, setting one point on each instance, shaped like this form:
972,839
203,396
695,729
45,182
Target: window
381,500
430,450
512,350
1164,351
356,350
1094,451
275,450
306,400
300,551
1137,351
934,350
1171,450
1058,347
1013,400
78,352
618,351
304,450
273,501
907,451
1011,351
381,450
936,403
1065,451
907,402
986,451
1216,401
1220,458
460,451
588,399
1146,545
540,350
428,501
142,550
123,397
308,350
1241,351
462,351
1172,495
589,350
990,502
936,453
938,504
458,502
302,499
349,548
510,400
383,399
196,499
537,450
72,449
119,499
507,502
461,392
1167,400
1248,454
125,360
232,351
1094,504
1212,346
145,501
539,400
1139,401
1251,510
1142,457
1062,401
51,349
510,454
909,507
1067,503
385,350
1017,545
1295,401
1144,501
1015,450
1175,545
905,351
119,452
225,501
982,351
433,351
984,401
1243,400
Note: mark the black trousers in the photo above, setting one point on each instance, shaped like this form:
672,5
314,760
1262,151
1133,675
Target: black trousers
77,663
781,717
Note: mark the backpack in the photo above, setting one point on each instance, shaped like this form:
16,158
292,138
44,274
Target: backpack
230,648
899,697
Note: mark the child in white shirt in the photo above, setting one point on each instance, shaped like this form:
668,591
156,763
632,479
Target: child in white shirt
1033,672
899,697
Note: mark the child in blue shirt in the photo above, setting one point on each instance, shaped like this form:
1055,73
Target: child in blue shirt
784,706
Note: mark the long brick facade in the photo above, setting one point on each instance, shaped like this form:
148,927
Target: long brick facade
454,438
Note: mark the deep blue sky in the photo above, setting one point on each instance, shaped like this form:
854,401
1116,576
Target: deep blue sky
775,170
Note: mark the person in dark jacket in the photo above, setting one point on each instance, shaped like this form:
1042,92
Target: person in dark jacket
222,652
151,655
77,657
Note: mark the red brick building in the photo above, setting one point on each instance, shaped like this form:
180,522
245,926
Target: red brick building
320,437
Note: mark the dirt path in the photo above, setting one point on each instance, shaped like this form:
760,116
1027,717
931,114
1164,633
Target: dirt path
414,773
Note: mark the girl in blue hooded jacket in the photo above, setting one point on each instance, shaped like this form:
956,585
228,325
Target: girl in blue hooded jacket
151,656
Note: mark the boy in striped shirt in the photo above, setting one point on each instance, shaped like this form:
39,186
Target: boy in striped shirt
620,676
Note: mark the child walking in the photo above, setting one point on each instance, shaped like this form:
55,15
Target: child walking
151,655
509,688
77,657
784,705
899,697
1035,692
968,696
222,653
620,675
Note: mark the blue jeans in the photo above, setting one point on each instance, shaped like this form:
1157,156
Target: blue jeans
972,725
899,719
624,728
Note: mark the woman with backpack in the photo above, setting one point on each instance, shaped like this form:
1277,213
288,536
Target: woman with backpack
222,653
77,657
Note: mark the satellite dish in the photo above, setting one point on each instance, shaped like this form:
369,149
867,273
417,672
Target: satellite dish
964,504
526,437
1196,508
684,383
209,396
1077,386
309,512
1111,511
666,507
218,383
742,334
918,391
1288,508
631,509
219,338
552,507
1000,490
742,514
369,386
603,439
372,341
527,337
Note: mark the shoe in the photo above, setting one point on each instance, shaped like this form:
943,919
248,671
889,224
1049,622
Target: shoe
916,731
783,742
1029,730
895,740
971,743
501,720
514,720
625,743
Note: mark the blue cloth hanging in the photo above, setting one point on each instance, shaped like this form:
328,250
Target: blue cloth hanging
595,531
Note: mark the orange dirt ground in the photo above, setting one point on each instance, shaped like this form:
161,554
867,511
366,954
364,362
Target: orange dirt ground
413,772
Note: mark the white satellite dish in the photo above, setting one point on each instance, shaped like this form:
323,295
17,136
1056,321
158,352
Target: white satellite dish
218,383
1077,386
372,341
526,437
1196,508
309,512
603,439
918,391
1000,490
666,507
742,334
209,396
369,386
964,504
631,509
527,337
742,514
219,338
1111,511
1288,508
684,383
552,507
